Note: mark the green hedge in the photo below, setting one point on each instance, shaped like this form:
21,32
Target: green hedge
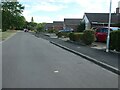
75,36
52,31
88,37
64,34
71,36
115,40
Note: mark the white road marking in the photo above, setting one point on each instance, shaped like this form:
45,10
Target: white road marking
56,71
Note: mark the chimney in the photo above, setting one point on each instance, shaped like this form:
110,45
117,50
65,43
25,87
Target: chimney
118,9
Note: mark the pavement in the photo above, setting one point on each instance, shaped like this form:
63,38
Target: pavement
95,53
31,62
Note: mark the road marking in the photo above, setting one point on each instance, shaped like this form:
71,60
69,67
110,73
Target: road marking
56,71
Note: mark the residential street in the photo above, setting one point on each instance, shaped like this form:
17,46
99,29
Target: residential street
31,62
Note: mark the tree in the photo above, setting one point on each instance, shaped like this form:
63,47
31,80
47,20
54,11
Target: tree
40,27
11,13
32,20
20,22
30,25
81,27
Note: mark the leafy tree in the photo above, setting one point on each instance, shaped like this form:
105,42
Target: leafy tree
20,22
30,25
81,27
11,13
40,27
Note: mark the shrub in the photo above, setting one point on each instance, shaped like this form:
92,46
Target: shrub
59,34
88,37
114,40
71,36
75,36
64,34
51,31
81,27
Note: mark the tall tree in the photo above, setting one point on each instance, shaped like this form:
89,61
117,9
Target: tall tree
32,20
11,12
40,27
81,27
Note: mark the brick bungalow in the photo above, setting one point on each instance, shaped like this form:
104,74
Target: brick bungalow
101,19
72,23
58,25
48,26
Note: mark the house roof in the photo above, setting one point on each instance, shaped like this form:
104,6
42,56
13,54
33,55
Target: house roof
72,21
49,25
102,17
58,22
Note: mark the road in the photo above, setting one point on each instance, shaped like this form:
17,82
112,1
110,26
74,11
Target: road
31,62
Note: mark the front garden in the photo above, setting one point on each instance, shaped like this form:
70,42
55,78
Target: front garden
87,37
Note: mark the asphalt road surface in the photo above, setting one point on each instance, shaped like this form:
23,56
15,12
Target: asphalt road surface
31,62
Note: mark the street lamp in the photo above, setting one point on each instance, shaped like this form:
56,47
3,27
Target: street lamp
108,36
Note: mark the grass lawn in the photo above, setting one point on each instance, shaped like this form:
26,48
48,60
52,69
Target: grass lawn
5,35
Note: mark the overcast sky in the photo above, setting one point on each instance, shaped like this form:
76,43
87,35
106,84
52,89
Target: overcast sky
57,10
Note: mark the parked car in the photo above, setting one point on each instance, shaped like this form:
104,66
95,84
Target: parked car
118,28
25,30
102,32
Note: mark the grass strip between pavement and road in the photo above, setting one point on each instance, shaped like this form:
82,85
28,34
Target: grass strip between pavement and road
6,34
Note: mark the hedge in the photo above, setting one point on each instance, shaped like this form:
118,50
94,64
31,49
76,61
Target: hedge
115,40
52,31
75,36
88,37
64,34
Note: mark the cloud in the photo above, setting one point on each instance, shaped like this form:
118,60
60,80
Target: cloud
76,8
43,19
52,1
97,5
45,6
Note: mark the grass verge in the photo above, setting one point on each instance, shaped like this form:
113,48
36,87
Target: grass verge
7,34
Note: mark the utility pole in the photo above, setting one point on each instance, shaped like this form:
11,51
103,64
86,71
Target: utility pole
108,36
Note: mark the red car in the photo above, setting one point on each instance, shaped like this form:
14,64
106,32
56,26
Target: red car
101,34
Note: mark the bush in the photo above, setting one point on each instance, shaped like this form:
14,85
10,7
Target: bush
114,40
64,34
71,36
88,37
75,36
59,34
51,31
81,27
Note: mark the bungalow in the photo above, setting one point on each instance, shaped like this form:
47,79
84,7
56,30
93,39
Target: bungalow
58,25
72,23
99,19
48,26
